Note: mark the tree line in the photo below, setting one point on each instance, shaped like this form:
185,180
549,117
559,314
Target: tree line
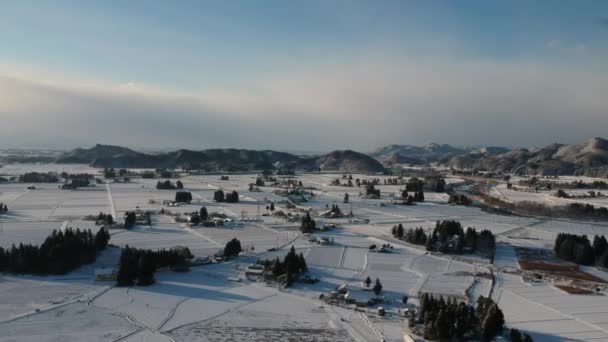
60,253
137,266
451,320
167,185
578,249
112,173
448,237
38,177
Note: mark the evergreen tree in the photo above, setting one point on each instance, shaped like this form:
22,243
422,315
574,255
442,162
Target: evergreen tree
203,214
377,287
145,270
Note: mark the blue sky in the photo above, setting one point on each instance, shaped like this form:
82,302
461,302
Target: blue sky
281,64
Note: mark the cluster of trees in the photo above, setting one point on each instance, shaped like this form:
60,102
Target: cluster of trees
537,183
308,224
291,267
231,197
104,219
112,173
259,182
334,209
415,236
164,173
370,190
377,285
130,219
443,240
75,181
3,208
60,253
587,210
149,175
201,216
435,183
414,184
167,185
183,197
578,249
448,237
393,181
459,199
572,210
450,320
336,182
37,177
418,196
137,266
232,248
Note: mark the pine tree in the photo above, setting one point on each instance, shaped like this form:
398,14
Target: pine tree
145,270
377,287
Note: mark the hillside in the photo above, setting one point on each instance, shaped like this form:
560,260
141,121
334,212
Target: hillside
416,155
86,156
589,158
221,159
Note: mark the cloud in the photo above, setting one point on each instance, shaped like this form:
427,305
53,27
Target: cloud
366,101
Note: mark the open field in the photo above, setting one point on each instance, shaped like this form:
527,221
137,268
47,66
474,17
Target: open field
205,304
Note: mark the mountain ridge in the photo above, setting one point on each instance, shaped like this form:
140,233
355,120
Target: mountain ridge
228,159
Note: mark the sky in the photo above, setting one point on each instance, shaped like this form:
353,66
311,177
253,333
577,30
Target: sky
302,75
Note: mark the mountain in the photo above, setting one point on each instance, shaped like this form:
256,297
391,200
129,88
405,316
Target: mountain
221,159
417,155
589,158
348,161
86,156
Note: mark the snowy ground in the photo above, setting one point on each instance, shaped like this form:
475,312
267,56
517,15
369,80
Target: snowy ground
204,304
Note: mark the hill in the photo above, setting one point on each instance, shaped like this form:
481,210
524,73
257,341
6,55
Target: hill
222,159
416,155
589,158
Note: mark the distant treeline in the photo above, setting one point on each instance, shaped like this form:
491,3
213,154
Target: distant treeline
572,210
448,237
60,253
137,266
38,177
167,185
75,181
578,249
535,182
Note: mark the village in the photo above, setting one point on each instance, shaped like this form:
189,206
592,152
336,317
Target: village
354,279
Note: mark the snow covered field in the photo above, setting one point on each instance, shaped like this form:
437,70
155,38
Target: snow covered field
205,304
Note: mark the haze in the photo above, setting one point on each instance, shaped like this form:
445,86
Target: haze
301,75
